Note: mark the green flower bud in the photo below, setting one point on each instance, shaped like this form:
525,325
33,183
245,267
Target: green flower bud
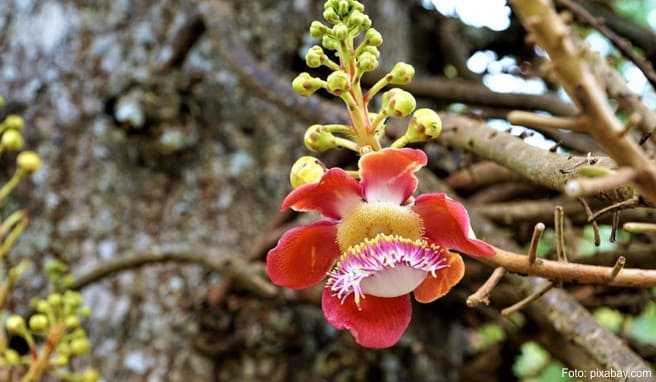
313,56
90,375
319,139
371,49
12,140
329,43
343,7
85,312
357,6
367,62
80,346
402,74
14,121
60,360
306,170
340,31
15,324
330,4
28,161
317,29
78,333
355,19
72,322
41,306
55,300
338,82
55,267
306,85
38,323
330,15
373,37
398,103
72,299
366,24
12,357
424,125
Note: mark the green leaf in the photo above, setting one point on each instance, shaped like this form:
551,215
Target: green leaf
643,327
531,361
610,319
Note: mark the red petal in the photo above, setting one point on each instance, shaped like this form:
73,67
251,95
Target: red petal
446,223
380,322
389,175
335,194
435,287
303,255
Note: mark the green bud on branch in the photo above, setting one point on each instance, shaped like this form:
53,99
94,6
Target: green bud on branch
338,82
401,74
306,170
398,103
306,85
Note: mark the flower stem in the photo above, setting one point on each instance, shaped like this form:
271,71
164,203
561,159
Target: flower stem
38,368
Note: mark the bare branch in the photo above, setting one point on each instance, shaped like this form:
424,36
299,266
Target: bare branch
482,295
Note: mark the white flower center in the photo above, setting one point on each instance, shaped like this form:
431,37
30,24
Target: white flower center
393,282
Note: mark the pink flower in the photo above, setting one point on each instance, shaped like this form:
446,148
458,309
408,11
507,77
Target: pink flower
375,244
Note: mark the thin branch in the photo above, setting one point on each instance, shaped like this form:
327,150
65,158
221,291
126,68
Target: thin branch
578,79
232,266
559,224
617,206
560,271
482,295
538,230
595,225
545,122
526,301
619,265
591,186
640,227
622,44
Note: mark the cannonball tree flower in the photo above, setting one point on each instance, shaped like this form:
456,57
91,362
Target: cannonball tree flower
376,245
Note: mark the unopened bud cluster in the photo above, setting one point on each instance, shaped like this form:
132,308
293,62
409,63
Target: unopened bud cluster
349,46
54,329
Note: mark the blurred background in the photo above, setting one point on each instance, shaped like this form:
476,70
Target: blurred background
164,129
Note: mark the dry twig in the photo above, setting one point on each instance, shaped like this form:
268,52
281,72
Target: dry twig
482,295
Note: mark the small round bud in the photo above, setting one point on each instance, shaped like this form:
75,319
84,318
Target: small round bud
28,161
317,29
367,62
357,6
38,323
340,31
55,267
85,312
366,24
314,56
90,375
72,322
306,85
330,15
373,37
14,121
72,299
402,74
60,360
338,82
330,4
343,7
306,170
329,43
80,346
15,324
55,300
356,19
318,139
12,140
398,103
424,125
371,49
12,357
41,306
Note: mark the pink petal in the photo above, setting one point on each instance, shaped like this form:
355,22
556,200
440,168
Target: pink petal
389,175
446,223
435,287
335,194
380,322
303,255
